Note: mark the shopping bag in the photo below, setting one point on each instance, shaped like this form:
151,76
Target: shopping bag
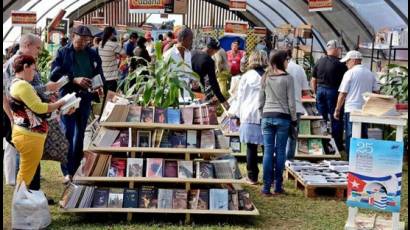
9,164
56,146
29,209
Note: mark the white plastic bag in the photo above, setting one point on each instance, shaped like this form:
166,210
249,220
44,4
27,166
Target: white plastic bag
29,209
9,164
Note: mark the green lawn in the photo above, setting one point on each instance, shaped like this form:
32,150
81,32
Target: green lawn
292,211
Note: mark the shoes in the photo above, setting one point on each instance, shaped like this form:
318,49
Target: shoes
251,182
67,179
269,194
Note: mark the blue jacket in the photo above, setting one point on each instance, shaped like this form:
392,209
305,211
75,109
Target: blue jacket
63,64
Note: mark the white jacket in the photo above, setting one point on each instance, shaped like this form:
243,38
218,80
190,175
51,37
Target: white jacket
247,98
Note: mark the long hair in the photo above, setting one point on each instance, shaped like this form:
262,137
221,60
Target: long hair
276,60
108,32
257,59
221,61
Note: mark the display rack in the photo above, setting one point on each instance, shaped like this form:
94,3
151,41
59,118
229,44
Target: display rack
132,181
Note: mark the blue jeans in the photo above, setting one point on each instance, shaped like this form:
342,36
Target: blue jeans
74,126
326,99
348,133
275,135
291,144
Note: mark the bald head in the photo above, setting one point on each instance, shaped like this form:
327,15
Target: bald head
30,44
185,37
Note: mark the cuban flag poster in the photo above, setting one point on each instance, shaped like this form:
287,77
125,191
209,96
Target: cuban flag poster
375,173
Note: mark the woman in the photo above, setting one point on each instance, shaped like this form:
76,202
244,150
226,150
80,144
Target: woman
248,111
109,52
278,109
223,75
30,126
140,51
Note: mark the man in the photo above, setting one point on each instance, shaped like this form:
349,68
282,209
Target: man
29,44
234,58
204,66
130,45
301,88
326,77
80,63
149,44
356,81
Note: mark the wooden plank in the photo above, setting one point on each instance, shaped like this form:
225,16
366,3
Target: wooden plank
157,126
159,150
314,136
386,120
254,212
305,117
336,156
160,180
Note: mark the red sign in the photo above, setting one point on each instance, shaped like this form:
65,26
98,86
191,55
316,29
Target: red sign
237,5
146,6
146,28
97,21
23,18
320,5
260,31
236,28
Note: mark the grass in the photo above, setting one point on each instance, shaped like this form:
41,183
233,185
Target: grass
292,211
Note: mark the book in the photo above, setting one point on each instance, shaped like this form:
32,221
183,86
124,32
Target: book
319,127
170,168
207,139
329,146
233,200
154,167
160,115
130,198
315,147
203,199
158,137
233,127
114,112
123,139
63,81
178,139
87,164
222,142
115,198
68,192
303,146
135,167
173,116
147,115
148,197
233,165
204,169
218,199
134,113
192,139
103,163
75,198
71,104
225,123
245,202
143,138
117,167
165,140
311,109
197,116
203,110
193,197
100,199
165,197
223,169
235,144
97,82
187,115
304,127
179,199
185,169
213,119
87,197
105,137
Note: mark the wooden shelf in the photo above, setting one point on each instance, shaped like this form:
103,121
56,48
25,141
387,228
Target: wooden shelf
160,150
244,154
306,117
308,100
314,136
336,156
233,134
254,212
160,180
157,126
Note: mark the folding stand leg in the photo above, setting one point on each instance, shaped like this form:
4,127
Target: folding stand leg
395,219
351,218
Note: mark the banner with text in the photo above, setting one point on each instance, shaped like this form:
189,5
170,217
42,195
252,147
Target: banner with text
207,29
320,5
146,6
237,5
375,174
260,31
236,28
23,18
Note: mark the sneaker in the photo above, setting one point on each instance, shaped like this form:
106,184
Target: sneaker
251,182
67,179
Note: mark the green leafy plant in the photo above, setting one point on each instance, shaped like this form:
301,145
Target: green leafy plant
44,64
395,82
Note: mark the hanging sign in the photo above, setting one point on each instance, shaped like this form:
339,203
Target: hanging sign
23,18
375,174
236,28
237,5
260,31
32,30
97,21
146,6
180,6
163,16
207,29
320,5
169,6
146,28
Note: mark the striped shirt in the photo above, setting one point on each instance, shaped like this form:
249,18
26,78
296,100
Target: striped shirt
109,60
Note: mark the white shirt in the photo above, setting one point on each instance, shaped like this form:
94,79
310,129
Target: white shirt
300,82
109,59
356,81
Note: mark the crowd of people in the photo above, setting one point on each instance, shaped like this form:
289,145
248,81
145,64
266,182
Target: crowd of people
267,103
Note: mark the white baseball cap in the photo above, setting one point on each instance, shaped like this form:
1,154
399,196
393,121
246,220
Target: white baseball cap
353,54
332,44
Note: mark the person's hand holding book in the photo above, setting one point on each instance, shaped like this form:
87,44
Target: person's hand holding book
83,82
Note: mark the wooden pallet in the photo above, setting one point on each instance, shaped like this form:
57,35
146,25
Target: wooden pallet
317,190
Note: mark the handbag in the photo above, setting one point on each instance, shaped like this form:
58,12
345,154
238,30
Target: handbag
56,146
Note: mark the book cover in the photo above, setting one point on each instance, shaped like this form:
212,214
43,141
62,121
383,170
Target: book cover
304,127
204,169
213,119
134,113
160,115
245,202
100,199
233,200
135,167
235,144
204,115
329,146
197,117
207,139
147,115
165,140
173,116
218,199
315,147
170,168
117,167
115,198
130,198
178,139
105,137
225,123
319,127
97,82
187,115
158,137
154,167
311,109
148,197
233,127
192,139
222,142
185,169
143,138
179,199
203,199
165,197
88,164
122,139
223,169
303,146
193,197
68,192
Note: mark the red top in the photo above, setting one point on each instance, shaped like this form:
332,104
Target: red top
235,62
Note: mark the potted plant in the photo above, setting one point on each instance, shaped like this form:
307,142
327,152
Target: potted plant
395,82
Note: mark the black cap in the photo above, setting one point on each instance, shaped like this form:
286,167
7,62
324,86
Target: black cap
82,31
212,43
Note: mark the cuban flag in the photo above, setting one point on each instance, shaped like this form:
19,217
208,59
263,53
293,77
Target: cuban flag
355,183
